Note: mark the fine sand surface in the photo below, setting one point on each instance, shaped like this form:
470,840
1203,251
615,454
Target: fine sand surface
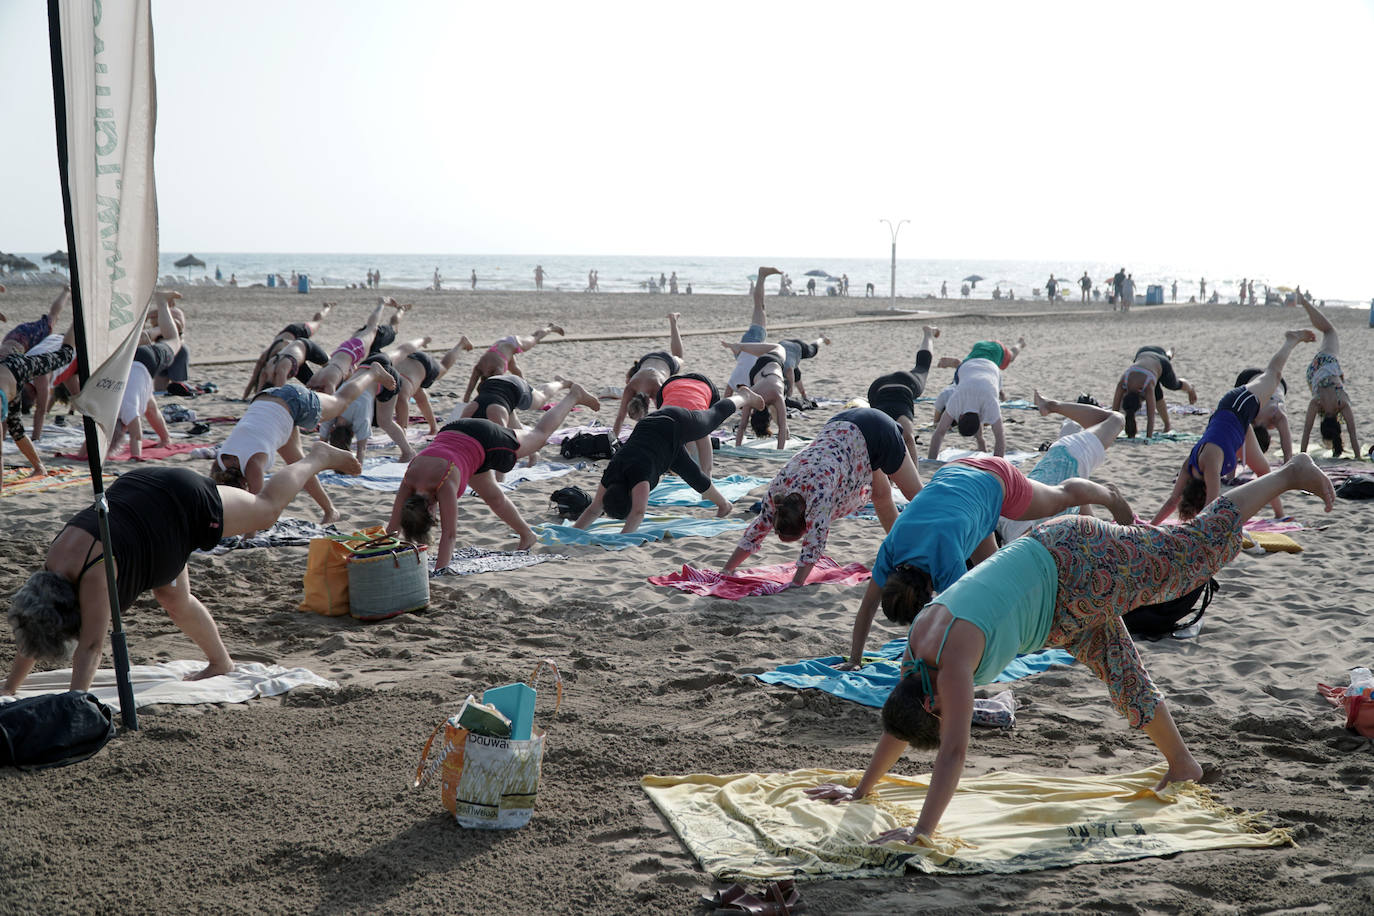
301,804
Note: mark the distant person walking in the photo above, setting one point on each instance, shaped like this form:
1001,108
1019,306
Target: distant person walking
944,289
1051,288
1174,291
1202,290
672,284
1127,293
1118,280
438,280
473,279
539,277
591,280
1085,286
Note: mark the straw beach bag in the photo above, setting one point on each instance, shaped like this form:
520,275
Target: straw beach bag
387,578
326,571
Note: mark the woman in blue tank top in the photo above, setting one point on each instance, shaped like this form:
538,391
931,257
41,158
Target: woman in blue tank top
1229,438
1066,583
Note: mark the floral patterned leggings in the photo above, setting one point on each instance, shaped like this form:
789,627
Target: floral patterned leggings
1106,570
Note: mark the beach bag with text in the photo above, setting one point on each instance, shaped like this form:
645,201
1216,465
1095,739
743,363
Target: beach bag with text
326,571
486,781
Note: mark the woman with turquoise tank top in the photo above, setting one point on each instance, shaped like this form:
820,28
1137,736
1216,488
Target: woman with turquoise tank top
1065,583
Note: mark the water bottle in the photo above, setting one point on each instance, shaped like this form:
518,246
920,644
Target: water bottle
1361,683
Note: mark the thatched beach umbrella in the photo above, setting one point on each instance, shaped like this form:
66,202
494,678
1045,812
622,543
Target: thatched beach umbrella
23,264
189,261
57,257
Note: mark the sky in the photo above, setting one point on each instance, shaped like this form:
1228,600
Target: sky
1226,133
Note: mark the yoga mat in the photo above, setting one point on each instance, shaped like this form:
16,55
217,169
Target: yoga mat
871,684
760,826
671,491
606,532
163,683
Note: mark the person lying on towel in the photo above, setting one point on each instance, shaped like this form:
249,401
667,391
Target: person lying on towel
1047,589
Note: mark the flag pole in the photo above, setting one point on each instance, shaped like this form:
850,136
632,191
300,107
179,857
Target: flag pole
119,646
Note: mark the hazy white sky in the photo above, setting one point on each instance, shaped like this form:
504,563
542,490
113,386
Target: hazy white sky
1236,133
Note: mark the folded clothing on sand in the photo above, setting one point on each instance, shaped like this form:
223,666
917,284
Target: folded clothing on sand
872,683
758,827
671,491
761,580
606,532
468,561
163,683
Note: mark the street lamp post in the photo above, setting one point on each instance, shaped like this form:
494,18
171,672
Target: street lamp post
892,288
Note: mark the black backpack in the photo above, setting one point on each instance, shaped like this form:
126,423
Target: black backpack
570,502
591,446
53,730
1155,621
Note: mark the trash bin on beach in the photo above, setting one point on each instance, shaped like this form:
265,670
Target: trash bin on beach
271,281
1154,294
302,284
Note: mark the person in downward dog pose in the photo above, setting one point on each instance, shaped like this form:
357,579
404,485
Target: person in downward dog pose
342,362
1045,590
474,449
895,394
1229,438
499,358
1327,383
418,371
657,445
647,375
855,455
158,516
307,352
1149,374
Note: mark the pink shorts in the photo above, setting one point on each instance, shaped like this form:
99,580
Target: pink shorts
355,350
1016,488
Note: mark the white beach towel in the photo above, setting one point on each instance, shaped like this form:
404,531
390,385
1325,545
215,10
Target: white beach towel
163,683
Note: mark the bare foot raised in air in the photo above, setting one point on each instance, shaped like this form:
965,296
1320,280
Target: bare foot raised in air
382,377
584,397
1309,477
1041,404
336,459
749,395
1300,334
210,670
930,329
767,272
464,343
555,329
1121,510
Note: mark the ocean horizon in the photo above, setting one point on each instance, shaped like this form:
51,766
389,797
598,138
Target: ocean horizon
916,277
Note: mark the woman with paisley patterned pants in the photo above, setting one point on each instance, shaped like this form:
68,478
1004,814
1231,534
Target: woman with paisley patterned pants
1066,583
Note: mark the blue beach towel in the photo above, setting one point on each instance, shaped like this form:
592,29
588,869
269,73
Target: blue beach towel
673,492
871,684
606,532
764,448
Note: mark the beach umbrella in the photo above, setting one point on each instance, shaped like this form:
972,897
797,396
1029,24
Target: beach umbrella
22,264
189,261
972,278
816,273
57,257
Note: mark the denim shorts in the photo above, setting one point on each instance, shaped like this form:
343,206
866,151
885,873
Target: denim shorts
755,334
302,403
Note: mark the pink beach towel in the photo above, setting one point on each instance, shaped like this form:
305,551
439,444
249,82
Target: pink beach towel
151,451
762,580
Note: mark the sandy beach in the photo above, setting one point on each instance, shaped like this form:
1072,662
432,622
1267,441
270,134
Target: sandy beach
301,803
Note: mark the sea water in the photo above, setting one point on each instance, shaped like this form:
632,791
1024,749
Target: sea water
916,278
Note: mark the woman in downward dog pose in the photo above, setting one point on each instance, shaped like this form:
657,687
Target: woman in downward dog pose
1147,377
895,394
474,449
1060,585
343,361
646,377
158,516
1327,382
1229,437
309,351
499,358
657,445
854,455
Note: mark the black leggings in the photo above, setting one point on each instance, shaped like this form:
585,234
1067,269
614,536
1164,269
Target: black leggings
698,424
24,369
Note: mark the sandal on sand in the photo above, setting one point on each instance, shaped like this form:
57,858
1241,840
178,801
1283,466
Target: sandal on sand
779,898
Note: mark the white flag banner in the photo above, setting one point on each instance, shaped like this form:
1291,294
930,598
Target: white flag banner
107,65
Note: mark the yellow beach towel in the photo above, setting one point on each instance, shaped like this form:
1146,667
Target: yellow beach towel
759,827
